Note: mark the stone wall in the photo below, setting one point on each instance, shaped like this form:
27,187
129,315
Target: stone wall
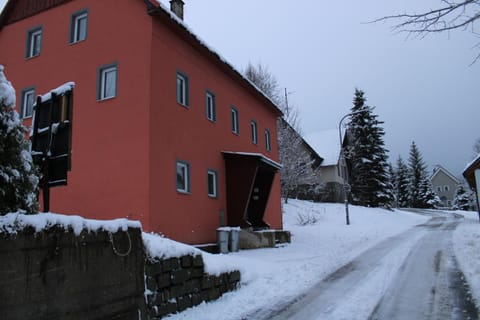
176,284
59,273
55,274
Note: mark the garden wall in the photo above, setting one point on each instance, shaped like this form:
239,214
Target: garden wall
55,274
176,284
69,268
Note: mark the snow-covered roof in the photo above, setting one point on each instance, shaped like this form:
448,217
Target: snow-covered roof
215,53
477,158
438,168
326,144
469,171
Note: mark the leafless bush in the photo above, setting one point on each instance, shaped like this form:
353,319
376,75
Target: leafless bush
306,218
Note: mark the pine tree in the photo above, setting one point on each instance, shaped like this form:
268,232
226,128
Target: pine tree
18,176
420,193
462,198
390,190
401,183
428,196
367,156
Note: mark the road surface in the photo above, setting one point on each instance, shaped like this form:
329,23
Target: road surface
412,276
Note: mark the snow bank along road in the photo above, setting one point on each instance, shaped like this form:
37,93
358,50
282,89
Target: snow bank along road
413,275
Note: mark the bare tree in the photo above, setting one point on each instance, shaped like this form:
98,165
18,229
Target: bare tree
265,81
449,16
296,163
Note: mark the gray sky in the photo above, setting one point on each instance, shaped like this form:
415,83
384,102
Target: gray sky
424,89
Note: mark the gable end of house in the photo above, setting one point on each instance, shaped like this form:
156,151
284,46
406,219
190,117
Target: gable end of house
20,9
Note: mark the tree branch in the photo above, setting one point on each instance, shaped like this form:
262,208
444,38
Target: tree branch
453,15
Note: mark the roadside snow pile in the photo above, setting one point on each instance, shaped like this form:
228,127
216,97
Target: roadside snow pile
158,247
466,243
15,222
321,243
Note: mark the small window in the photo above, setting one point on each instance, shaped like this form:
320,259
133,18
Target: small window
182,89
234,115
183,177
268,145
439,189
34,42
211,108
212,183
446,188
253,127
79,26
107,82
28,100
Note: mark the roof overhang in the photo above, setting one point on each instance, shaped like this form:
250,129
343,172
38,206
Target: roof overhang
27,8
469,172
252,156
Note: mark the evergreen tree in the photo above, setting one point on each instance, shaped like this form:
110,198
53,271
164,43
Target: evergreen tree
401,183
390,190
367,156
420,193
462,198
18,176
428,196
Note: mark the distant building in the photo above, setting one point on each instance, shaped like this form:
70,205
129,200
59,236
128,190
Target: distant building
329,178
165,131
444,185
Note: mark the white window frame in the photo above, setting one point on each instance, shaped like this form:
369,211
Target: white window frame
34,42
254,131
210,106
212,176
446,188
77,19
183,186
268,142
103,77
235,123
27,110
182,89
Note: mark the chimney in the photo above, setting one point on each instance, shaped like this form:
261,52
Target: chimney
176,6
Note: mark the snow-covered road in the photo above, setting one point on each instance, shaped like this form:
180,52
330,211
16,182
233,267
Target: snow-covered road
414,275
375,249
430,284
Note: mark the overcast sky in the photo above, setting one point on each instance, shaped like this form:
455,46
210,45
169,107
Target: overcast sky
424,89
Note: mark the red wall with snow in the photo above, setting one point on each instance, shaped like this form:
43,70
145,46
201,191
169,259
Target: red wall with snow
125,149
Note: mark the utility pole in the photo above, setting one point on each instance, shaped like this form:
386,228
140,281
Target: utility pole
287,111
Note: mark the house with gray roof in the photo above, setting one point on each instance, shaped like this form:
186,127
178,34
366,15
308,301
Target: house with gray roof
444,184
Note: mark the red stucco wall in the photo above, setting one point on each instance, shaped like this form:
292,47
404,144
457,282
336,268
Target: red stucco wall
110,149
125,149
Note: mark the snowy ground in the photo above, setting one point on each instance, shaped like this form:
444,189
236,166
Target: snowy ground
270,276
466,242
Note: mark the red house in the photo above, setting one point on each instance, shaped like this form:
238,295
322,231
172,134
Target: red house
164,130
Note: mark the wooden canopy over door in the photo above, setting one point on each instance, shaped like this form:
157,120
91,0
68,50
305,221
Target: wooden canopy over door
249,178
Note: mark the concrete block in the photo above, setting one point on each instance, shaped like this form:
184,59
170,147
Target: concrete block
256,239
